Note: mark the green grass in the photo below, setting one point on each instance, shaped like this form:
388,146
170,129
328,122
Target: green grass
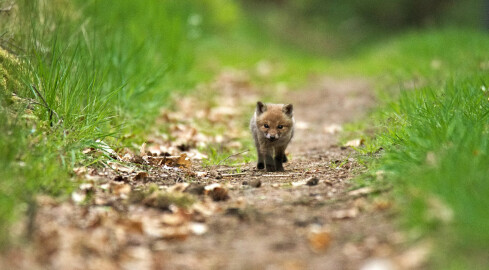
78,72
435,136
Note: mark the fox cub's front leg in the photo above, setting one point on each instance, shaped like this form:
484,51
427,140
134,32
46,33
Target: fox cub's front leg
261,161
270,163
280,158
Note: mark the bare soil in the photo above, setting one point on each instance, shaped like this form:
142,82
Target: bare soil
309,217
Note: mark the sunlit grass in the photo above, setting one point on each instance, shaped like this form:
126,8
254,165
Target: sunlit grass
435,138
81,72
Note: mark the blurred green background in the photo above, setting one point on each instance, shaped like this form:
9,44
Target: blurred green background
334,26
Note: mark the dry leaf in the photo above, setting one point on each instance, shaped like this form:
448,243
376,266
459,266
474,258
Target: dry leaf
361,191
119,167
200,174
319,238
174,219
183,161
217,192
355,143
120,189
80,170
131,226
128,157
382,203
346,213
179,187
87,150
141,176
142,150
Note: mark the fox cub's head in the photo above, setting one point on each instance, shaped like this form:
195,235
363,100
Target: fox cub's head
274,120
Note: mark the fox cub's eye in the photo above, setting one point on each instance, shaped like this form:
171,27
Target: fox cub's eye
266,126
280,127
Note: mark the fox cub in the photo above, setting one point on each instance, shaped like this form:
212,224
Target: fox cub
272,127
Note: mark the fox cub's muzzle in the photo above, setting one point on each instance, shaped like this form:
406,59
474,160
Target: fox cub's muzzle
272,137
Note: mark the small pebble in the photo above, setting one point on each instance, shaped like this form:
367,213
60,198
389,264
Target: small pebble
255,183
313,181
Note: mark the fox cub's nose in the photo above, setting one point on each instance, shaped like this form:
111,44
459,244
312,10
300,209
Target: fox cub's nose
273,137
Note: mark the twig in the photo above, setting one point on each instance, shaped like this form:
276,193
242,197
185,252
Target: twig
233,155
232,174
51,111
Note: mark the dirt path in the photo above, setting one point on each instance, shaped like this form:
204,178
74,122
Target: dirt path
304,218
296,226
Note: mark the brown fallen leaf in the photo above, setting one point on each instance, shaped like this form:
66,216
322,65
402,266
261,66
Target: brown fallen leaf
141,176
120,189
382,203
174,219
319,238
183,161
200,174
217,192
131,226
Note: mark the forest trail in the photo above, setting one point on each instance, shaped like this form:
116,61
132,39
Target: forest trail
308,217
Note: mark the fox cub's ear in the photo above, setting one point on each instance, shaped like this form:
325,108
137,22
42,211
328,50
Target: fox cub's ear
287,109
260,107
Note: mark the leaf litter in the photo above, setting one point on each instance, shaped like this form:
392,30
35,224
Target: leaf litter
155,206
